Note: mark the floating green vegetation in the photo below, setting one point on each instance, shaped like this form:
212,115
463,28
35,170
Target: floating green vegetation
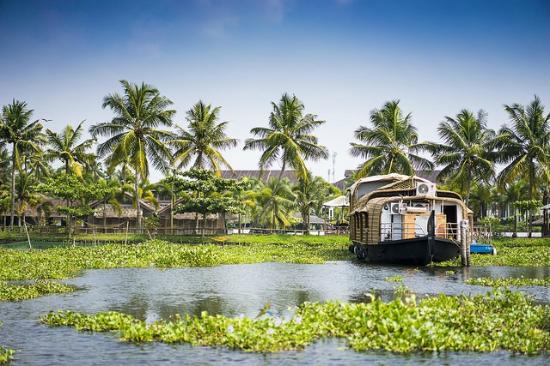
9,292
512,252
396,278
509,281
13,240
498,320
57,263
5,354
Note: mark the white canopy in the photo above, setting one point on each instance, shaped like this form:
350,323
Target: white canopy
341,201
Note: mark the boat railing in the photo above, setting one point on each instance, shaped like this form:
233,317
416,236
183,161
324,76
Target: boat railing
449,231
396,231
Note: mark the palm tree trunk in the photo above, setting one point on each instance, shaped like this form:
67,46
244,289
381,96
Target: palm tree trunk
203,224
172,213
12,214
138,206
105,217
515,233
531,187
282,169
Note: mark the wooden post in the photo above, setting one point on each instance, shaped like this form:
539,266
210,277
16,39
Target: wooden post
464,244
126,237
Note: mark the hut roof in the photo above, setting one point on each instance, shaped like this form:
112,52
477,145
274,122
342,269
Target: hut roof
341,201
313,219
258,174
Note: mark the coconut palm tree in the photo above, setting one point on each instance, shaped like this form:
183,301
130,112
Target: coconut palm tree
134,132
67,147
275,200
465,154
310,194
203,140
391,145
17,130
288,138
525,147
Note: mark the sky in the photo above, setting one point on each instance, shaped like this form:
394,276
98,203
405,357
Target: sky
342,58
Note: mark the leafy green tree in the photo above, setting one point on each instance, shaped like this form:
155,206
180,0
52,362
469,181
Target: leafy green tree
288,138
67,147
203,140
23,135
275,201
134,134
76,194
390,145
525,147
465,154
206,193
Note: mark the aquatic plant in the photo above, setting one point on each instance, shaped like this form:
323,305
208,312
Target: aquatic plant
498,320
9,292
6,354
512,252
58,263
396,278
509,281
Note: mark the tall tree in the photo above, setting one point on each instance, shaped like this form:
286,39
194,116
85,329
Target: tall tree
465,154
134,132
288,138
390,145
23,135
275,201
203,140
525,147
310,194
67,147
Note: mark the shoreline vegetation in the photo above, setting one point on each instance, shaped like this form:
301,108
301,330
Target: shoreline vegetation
499,320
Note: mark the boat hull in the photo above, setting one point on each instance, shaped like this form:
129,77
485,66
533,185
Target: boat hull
416,251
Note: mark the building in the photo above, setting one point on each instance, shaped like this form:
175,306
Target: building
264,176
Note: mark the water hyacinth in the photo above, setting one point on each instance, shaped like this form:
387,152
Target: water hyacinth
498,320
5,354
58,263
9,292
509,281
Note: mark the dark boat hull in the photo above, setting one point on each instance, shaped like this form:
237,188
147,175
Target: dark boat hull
416,251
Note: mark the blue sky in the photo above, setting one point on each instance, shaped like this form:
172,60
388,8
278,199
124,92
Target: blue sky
343,58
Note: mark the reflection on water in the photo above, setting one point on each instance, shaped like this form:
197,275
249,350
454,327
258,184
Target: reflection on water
153,294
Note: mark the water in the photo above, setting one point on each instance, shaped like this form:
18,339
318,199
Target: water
153,294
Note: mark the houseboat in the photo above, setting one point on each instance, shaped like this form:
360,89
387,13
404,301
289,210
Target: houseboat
406,220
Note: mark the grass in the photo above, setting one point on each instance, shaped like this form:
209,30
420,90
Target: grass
501,320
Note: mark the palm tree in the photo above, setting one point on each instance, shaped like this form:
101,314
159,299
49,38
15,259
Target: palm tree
23,135
275,200
66,146
288,137
203,140
391,145
465,154
310,194
525,147
133,133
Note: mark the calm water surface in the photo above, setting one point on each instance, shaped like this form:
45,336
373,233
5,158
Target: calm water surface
232,290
